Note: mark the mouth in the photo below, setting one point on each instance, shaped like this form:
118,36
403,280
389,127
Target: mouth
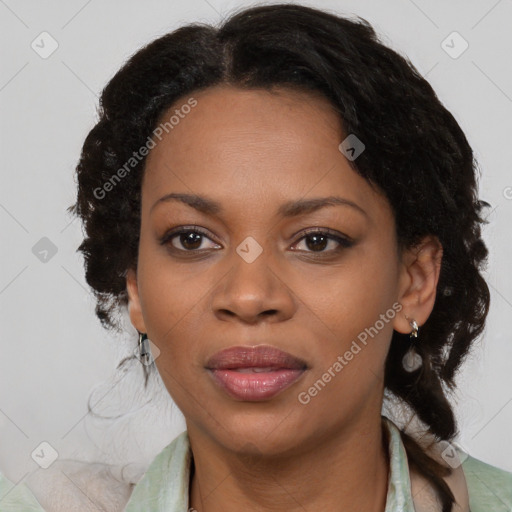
254,373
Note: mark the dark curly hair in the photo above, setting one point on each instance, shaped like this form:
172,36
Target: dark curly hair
416,154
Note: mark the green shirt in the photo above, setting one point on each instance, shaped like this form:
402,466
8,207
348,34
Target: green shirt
165,485
17,498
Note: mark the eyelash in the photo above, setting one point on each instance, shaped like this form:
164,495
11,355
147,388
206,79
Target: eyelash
343,241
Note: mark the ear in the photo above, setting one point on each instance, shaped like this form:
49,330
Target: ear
134,307
419,275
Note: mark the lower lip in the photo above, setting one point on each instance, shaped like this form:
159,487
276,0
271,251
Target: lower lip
255,386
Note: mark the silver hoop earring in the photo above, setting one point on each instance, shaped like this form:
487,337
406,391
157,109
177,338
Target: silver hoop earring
412,361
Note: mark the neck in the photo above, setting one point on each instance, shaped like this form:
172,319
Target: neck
347,471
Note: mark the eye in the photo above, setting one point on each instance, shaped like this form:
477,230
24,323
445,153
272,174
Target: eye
188,240
194,239
323,241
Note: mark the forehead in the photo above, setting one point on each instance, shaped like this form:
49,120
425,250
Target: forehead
237,143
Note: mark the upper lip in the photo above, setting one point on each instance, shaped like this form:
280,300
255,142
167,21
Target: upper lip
260,356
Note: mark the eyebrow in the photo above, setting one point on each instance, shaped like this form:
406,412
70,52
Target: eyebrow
289,209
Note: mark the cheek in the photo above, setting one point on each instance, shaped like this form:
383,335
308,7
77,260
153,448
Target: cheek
351,297
164,288
172,297
355,305
172,302
357,326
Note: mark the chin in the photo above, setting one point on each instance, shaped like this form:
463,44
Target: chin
253,431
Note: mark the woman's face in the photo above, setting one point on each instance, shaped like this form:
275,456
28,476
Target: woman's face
250,163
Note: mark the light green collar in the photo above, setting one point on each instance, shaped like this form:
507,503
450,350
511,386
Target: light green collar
399,487
165,485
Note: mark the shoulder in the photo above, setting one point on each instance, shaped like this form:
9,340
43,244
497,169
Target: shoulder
14,498
489,487
69,486
164,486
476,485
172,460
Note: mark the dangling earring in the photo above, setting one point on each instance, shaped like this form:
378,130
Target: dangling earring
144,349
412,360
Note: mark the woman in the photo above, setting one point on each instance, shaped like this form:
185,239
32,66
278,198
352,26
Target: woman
291,217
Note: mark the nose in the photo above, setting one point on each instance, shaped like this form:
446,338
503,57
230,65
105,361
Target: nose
253,292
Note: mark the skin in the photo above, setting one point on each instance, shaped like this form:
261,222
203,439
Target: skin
265,149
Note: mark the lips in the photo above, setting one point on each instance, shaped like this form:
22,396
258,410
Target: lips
254,373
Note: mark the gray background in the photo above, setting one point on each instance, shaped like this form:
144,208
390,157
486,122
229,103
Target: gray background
53,349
